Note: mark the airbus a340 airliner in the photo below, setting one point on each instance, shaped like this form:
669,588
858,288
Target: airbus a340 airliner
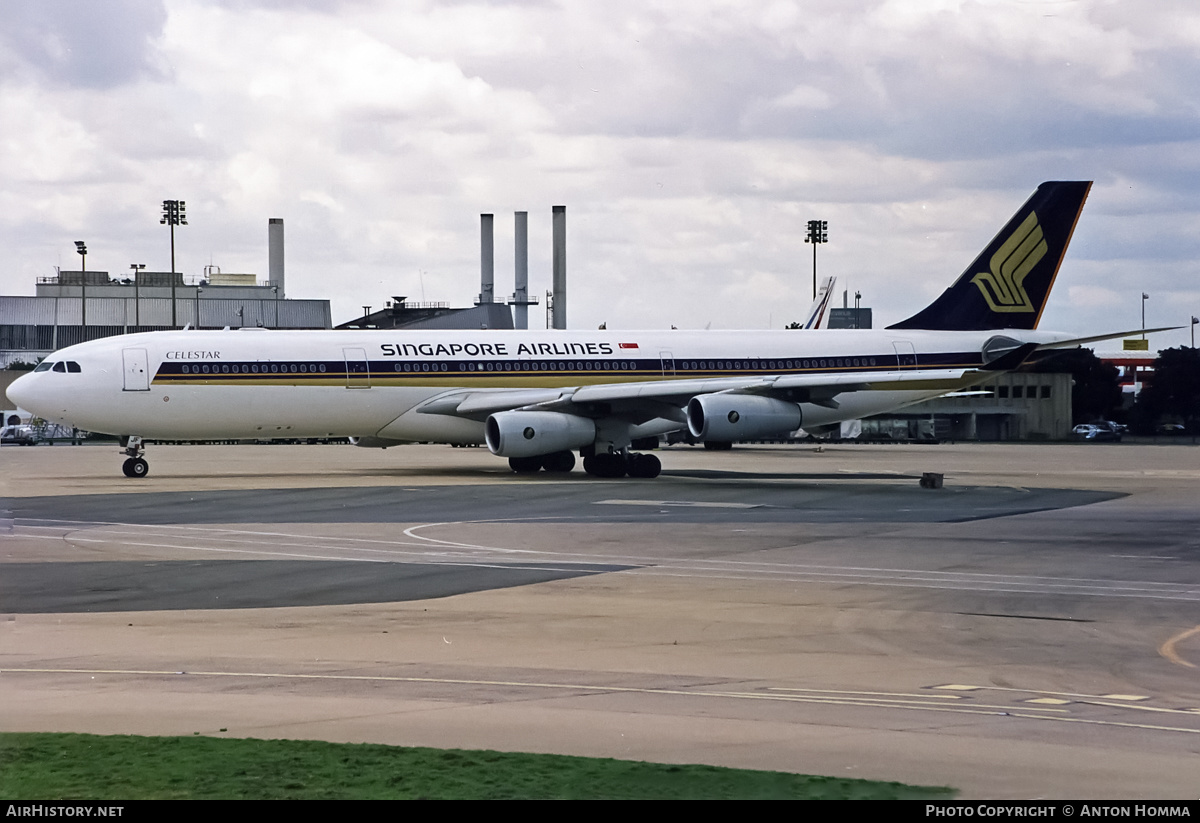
537,397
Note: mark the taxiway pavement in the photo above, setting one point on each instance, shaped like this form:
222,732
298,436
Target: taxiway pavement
1030,630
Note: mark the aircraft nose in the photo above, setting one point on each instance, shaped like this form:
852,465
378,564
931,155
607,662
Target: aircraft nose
20,392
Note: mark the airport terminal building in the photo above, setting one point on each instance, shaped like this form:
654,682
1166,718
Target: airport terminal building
73,306
1013,406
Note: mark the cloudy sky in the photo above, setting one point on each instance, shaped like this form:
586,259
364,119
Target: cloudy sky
690,142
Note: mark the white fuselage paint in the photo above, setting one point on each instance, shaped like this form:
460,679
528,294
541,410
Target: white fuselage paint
370,383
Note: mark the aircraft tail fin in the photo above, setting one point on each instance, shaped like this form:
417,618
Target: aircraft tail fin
1007,285
816,312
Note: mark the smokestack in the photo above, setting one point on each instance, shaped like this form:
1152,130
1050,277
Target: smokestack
487,268
275,252
560,266
521,292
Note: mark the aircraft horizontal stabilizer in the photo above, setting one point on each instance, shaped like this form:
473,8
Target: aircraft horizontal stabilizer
1078,341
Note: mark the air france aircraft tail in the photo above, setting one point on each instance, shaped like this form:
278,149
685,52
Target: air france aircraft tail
1007,285
816,312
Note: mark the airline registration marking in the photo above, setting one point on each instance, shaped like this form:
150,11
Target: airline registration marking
494,349
581,370
193,355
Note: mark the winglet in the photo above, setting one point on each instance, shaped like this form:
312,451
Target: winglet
1007,285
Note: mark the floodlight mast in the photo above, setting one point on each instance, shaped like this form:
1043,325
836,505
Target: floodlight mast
81,249
174,213
816,235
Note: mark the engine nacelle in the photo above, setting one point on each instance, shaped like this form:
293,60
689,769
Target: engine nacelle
530,433
732,417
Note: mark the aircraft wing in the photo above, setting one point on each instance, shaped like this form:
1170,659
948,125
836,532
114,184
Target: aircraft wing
667,398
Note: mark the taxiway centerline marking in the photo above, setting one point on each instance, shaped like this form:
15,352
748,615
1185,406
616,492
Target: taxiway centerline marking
1167,649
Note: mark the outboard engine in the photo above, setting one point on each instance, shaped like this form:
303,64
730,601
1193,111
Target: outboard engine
730,417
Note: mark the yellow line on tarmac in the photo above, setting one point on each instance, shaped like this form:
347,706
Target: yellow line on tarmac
1167,649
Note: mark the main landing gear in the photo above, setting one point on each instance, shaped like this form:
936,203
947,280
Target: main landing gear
557,462
618,464
610,465
136,465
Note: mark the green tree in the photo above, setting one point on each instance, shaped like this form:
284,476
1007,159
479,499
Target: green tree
1096,385
1174,393
21,365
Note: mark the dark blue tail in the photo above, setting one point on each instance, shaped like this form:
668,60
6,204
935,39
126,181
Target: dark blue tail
1007,285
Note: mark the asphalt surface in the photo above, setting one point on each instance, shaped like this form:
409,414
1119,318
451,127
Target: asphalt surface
1030,630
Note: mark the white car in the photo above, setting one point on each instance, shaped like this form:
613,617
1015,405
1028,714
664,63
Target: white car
19,436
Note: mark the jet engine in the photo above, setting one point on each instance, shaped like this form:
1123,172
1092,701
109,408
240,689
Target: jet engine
730,417
531,433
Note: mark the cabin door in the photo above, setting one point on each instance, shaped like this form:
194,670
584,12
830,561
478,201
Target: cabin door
668,363
137,369
906,355
358,373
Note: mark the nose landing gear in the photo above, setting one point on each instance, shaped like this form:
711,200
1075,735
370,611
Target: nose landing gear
136,466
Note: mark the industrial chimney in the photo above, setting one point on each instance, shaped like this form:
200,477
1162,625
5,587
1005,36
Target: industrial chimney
520,299
559,308
487,256
275,251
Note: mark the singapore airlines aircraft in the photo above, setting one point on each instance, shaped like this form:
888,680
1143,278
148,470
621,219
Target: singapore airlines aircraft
537,397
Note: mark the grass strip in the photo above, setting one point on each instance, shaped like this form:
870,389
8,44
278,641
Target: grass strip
124,767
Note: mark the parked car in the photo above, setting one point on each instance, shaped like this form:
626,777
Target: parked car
18,436
1102,431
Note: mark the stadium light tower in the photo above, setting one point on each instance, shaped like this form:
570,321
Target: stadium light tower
81,248
816,235
174,213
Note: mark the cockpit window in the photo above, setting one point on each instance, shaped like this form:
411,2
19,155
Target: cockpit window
61,366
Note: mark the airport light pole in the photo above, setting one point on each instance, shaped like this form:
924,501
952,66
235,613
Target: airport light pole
1195,320
81,248
174,213
137,296
816,235
1145,297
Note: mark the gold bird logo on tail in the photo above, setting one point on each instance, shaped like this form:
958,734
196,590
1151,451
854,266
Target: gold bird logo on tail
1002,287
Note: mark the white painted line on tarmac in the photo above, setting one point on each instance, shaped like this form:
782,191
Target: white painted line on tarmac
690,504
